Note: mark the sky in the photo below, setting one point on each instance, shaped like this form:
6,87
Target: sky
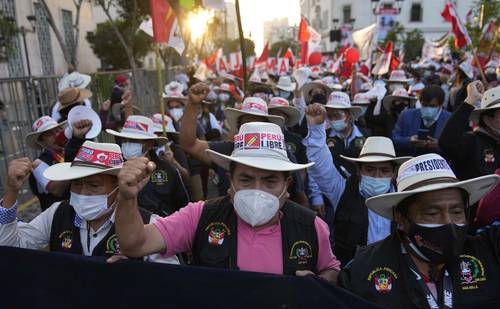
255,12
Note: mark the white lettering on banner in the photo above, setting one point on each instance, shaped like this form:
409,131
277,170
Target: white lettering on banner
428,166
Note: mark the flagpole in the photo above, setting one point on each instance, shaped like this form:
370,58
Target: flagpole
242,46
160,88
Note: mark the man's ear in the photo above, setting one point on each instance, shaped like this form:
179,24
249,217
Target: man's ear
401,221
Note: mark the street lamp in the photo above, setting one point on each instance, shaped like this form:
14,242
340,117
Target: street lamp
24,30
375,4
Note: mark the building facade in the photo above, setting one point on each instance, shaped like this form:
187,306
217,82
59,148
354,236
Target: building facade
357,14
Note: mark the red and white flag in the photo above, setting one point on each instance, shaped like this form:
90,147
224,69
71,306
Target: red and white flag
450,15
387,61
289,55
207,66
310,40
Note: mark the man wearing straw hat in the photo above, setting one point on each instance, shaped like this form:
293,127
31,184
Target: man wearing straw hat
84,224
475,153
429,261
165,192
354,224
254,227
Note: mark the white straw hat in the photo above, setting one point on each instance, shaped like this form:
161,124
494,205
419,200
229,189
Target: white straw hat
74,80
490,100
92,159
340,100
251,106
377,149
398,76
399,94
285,83
157,125
278,103
429,172
173,92
260,145
41,125
140,128
361,99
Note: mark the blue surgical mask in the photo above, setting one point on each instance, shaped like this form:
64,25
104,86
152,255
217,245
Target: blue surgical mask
429,113
338,125
371,186
131,150
284,94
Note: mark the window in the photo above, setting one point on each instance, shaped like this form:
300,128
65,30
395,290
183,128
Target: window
44,42
416,12
67,19
346,13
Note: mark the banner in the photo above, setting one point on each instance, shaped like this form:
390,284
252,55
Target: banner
364,40
37,279
436,49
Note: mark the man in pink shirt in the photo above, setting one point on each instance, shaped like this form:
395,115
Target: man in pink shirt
254,227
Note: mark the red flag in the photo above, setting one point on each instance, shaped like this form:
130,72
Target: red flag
304,33
289,55
265,54
450,15
163,19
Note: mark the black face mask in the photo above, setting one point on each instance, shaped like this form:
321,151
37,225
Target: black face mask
318,98
437,243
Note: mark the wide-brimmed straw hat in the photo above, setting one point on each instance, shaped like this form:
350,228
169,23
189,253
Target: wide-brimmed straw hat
398,76
261,145
92,159
41,125
340,100
169,124
72,96
361,99
173,92
429,172
285,83
281,104
399,94
377,149
251,106
490,101
140,128
74,80
308,87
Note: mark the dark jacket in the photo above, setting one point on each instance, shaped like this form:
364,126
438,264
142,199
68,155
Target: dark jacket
472,154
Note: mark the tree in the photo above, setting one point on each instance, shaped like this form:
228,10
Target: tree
413,43
8,31
69,52
283,46
107,47
490,10
396,35
234,46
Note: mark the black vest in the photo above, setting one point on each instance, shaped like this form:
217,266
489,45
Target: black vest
65,236
337,147
350,223
215,243
486,157
379,274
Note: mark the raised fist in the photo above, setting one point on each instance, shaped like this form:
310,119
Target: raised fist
315,114
197,93
133,176
81,127
18,171
475,91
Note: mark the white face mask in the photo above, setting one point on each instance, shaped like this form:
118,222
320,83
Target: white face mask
177,113
256,207
131,150
90,207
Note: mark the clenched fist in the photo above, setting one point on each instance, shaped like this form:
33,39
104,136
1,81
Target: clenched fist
18,171
475,91
81,127
315,114
133,176
198,93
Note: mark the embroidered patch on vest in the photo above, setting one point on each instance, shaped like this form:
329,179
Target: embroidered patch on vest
291,147
330,142
301,251
66,239
112,246
382,278
217,231
471,272
359,142
159,177
489,156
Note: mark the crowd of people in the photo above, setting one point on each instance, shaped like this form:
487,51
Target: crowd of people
388,189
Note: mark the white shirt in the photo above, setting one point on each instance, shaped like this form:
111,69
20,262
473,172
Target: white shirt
36,234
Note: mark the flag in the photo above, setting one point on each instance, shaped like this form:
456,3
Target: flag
265,54
450,15
386,62
207,65
289,55
489,30
436,49
164,24
469,17
310,40
363,39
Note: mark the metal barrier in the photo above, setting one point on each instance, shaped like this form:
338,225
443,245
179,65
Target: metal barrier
24,99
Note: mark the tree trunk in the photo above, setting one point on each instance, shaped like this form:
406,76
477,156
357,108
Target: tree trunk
59,37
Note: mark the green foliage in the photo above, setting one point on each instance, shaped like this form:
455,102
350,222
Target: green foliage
283,46
8,31
413,43
491,10
234,46
107,47
396,35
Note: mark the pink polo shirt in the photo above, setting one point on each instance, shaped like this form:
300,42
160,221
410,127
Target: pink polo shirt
259,250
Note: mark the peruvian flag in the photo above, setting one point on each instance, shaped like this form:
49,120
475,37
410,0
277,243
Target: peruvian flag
163,25
265,54
207,65
450,15
310,40
289,55
387,61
